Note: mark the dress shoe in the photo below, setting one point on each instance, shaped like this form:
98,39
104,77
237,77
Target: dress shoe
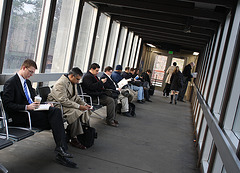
60,151
75,143
181,100
112,123
149,100
65,161
115,121
127,114
140,101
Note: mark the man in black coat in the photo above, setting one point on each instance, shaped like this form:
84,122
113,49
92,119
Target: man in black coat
18,95
110,84
146,84
95,88
187,75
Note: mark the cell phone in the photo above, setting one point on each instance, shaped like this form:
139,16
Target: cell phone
91,107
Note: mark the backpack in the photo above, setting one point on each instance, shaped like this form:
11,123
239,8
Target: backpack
132,109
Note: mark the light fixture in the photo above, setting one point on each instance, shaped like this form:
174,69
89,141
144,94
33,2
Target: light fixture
195,53
150,45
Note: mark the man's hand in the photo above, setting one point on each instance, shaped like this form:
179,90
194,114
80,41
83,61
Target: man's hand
104,80
83,108
33,106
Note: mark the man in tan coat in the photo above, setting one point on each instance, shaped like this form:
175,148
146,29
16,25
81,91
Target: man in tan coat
75,110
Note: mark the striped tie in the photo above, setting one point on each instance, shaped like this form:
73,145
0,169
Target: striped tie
26,93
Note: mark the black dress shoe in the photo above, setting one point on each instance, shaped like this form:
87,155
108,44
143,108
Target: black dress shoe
127,114
149,100
65,161
60,151
140,101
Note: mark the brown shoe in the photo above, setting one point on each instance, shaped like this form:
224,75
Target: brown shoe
75,143
115,121
112,123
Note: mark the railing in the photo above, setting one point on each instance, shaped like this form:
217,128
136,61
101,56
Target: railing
228,156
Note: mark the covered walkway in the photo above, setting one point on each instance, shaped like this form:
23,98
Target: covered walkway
158,140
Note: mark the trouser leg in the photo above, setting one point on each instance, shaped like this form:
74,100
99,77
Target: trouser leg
75,128
51,119
125,105
111,105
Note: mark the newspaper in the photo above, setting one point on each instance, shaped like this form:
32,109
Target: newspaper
43,107
123,82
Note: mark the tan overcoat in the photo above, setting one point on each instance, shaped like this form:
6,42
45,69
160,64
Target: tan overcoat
63,92
170,71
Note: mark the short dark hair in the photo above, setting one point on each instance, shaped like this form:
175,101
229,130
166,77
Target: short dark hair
127,68
108,68
149,71
75,71
174,63
94,66
132,69
29,63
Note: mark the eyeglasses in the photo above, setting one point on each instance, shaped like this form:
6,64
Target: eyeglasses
30,71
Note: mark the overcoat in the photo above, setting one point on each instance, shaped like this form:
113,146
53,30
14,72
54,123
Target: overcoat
169,71
63,92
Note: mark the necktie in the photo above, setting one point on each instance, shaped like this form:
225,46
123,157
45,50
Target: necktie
26,93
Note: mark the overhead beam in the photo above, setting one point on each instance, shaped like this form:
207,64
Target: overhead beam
226,3
162,40
193,31
154,17
162,28
197,13
196,23
156,34
180,40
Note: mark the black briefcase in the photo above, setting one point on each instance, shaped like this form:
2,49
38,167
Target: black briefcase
87,138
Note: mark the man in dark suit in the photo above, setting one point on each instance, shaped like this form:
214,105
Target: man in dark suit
110,84
18,95
187,76
95,88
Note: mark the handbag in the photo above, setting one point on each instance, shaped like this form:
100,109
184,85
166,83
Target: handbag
87,138
112,93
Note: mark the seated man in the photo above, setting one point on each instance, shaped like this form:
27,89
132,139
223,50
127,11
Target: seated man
116,77
18,95
126,74
74,108
110,84
94,87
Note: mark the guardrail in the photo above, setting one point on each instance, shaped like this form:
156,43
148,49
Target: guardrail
227,154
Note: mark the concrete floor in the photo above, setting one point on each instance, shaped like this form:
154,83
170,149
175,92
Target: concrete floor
158,140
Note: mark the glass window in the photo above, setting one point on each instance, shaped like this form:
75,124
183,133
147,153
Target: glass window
85,37
101,38
1,15
112,44
217,66
226,65
236,125
133,52
137,53
121,45
22,33
179,61
127,50
158,70
60,37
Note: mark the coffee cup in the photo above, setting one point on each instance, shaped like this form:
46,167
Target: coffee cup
37,99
